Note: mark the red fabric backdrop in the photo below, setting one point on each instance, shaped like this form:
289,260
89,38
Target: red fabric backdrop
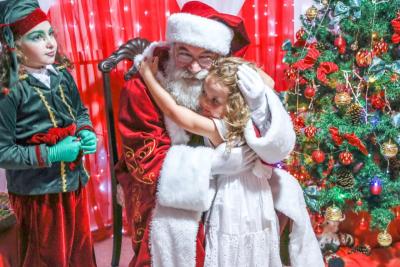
90,30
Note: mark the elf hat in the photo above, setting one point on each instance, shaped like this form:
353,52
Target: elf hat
200,25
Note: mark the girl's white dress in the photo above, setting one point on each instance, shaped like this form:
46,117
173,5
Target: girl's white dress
242,226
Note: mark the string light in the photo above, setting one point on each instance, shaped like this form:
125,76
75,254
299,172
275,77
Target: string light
138,27
102,187
146,12
126,8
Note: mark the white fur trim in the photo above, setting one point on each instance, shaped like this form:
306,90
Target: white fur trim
184,181
173,235
177,134
200,32
279,139
289,199
148,52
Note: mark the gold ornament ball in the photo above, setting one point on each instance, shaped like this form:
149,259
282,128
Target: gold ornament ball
312,13
374,36
384,239
334,214
342,99
325,2
389,149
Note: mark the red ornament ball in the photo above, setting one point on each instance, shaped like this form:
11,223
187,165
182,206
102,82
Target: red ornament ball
309,92
318,156
299,121
340,43
291,74
346,158
359,203
310,131
380,48
5,91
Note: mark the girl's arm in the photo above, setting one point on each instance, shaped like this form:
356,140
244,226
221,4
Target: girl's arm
184,117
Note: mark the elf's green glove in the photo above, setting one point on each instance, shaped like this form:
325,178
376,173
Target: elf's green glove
89,141
66,150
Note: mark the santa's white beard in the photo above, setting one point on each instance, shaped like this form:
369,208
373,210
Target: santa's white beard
184,86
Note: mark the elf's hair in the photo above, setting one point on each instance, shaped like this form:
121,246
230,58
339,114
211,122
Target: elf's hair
224,70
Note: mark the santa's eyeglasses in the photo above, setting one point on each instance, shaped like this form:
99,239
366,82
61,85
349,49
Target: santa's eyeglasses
185,58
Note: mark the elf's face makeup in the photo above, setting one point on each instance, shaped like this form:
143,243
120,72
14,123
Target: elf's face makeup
38,46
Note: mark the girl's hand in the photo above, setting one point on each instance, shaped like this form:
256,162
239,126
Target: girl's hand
148,67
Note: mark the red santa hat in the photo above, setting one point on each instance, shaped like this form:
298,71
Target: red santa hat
200,25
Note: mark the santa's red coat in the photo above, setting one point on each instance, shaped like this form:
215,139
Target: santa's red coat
145,144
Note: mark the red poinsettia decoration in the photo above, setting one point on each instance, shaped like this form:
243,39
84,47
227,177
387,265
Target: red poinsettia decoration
324,69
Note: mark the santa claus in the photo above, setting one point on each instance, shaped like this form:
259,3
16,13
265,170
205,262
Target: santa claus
165,172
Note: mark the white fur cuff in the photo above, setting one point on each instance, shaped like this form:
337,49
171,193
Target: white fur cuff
279,139
185,178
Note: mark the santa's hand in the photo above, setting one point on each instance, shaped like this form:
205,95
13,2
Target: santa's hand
237,160
252,87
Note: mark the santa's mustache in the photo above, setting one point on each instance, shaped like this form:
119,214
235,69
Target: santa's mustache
201,75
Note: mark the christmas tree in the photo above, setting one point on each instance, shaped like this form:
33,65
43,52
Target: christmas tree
344,100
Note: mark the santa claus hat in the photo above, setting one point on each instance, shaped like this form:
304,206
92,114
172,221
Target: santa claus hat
200,25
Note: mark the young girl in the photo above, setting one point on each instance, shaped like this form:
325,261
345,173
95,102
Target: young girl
44,130
242,226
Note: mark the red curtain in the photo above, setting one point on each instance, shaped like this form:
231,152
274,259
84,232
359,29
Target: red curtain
90,30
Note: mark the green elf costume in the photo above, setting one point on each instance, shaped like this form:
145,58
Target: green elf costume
44,132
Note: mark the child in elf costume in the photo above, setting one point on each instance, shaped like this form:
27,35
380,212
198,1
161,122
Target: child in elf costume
44,132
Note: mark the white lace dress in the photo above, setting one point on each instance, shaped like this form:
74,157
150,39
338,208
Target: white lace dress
241,226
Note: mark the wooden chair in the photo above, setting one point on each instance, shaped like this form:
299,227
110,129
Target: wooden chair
127,51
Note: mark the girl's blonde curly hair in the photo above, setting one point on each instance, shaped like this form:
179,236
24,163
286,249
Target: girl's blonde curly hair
224,70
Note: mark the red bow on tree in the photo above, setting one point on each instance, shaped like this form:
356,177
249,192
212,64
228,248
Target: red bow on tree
352,139
396,27
309,60
324,69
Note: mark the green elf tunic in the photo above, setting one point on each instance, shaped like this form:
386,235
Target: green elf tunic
33,109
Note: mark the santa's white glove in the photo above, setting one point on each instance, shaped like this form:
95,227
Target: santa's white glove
238,159
253,89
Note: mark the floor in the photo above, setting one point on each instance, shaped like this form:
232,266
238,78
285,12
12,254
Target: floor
103,250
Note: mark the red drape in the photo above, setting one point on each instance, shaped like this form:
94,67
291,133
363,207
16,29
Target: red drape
90,30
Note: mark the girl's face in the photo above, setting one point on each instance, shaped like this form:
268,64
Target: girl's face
213,99
38,46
